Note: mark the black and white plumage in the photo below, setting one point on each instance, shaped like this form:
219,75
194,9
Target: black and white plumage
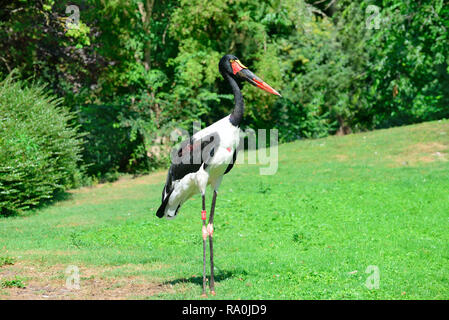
208,155
214,148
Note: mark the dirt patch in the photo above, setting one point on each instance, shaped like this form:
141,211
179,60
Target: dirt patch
422,153
126,182
50,283
72,224
341,157
427,147
104,193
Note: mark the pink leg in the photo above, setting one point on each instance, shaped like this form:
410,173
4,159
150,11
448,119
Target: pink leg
204,234
210,231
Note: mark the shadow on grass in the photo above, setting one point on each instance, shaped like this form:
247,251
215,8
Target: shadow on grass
57,197
218,276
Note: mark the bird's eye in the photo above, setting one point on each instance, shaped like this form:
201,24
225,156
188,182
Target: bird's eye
236,66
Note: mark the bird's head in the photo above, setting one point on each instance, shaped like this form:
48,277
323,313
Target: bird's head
232,66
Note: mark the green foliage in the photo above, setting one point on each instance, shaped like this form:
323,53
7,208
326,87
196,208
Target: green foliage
152,65
17,282
405,76
413,45
108,146
5,261
39,146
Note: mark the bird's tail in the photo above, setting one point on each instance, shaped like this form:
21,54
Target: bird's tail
167,210
161,211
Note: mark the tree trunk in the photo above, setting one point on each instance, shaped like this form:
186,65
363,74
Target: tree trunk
344,128
146,11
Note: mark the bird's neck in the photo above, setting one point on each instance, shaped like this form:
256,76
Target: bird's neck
236,116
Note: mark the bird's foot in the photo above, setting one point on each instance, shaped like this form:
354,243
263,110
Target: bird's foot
212,292
204,295
205,233
210,229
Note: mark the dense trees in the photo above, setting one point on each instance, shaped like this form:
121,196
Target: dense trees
132,70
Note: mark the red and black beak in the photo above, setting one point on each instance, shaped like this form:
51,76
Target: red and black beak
239,69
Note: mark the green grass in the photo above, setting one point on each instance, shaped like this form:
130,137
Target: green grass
335,207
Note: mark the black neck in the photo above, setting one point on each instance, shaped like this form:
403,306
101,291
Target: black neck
237,114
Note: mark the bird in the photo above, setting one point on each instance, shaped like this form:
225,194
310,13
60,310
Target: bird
207,156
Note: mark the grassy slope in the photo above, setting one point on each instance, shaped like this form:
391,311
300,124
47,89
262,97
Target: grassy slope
335,207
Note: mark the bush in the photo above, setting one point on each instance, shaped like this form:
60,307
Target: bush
39,149
109,146
17,282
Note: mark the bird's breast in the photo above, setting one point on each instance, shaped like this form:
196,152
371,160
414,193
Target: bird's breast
219,163
222,156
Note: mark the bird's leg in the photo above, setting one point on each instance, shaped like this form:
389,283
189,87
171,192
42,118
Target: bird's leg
210,231
204,232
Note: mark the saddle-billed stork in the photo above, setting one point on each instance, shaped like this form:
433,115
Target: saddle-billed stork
207,156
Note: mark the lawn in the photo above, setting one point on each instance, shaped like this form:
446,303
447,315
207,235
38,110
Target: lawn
339,212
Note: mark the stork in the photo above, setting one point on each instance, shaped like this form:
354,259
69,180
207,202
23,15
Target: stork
208,155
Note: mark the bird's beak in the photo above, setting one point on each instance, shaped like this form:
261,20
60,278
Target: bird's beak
249,76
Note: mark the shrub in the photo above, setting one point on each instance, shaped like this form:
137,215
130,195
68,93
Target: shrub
39,148
108,147
17,282
5,261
